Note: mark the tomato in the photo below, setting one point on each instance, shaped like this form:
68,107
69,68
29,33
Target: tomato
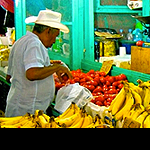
107,104
100,98
108,83
99,103
90,87
91,72
97,79
139,43
109,99
112,91
102,74
98,89
121,77
116,83
120,86
77,79
111,79
78,71
94,83
102,80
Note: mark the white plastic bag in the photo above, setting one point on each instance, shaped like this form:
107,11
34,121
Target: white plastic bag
72,93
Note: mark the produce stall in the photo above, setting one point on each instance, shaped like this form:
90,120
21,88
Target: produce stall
118,98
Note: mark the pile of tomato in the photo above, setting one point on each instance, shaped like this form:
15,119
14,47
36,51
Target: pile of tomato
103,87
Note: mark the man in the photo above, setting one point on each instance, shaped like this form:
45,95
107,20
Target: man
30,69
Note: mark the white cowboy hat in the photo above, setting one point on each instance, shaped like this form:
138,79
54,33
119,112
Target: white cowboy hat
48,18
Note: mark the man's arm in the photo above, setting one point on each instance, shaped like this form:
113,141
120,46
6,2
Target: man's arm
33,74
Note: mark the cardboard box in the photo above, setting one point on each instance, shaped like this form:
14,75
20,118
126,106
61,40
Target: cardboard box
140,59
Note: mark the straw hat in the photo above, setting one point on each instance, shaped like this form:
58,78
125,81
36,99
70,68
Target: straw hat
48,18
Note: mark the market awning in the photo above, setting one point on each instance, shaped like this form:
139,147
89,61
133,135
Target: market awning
8,5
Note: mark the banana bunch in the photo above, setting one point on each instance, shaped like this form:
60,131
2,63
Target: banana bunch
74,117
133,102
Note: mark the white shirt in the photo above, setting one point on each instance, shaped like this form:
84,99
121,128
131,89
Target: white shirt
24,95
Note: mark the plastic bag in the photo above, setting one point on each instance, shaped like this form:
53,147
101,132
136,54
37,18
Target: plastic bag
72,93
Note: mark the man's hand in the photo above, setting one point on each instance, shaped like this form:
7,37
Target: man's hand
63,70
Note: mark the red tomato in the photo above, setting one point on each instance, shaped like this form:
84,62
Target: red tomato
112,91
77,79
90,87
78,71
115,83
111,79
108,83
94,83
99,103
120,86
139,43
97,79
82,80
100,98
102,74
91,72
102,80
98,89
107,104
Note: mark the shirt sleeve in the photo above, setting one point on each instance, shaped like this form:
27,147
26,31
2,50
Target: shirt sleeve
33,56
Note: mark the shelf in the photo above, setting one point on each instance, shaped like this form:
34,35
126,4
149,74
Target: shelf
116,9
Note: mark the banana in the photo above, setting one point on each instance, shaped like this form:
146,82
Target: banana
141,118
137,89
143,84
68,121
117,102
2,119
14,121
79,124
52,123
69,112
136,96
126,108
42,121
147,122
139,109
87,121
146,99
47,118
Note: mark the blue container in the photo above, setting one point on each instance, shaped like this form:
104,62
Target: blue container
127,44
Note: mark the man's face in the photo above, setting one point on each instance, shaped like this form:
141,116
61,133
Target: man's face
51,36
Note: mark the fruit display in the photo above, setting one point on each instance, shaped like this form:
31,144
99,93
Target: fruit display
4,54
132,104
103,87
73,117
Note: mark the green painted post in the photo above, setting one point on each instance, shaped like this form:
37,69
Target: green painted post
89,29
77,34
146,7
20,15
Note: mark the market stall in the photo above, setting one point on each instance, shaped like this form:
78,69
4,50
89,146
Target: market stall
100,31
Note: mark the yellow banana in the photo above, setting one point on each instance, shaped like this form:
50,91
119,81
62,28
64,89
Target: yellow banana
147,122
43,122
10,119
126,108
143,84
79,124
137,111
118,102
137,89
47,118
136,96
15,121
87,121
52,123
146,99
68,121
69,112
142,117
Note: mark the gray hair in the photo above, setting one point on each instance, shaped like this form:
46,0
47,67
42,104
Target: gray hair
40,28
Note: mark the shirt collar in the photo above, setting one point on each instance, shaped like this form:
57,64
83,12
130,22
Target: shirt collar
32,34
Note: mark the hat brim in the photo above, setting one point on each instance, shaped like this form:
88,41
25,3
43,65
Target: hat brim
56,25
